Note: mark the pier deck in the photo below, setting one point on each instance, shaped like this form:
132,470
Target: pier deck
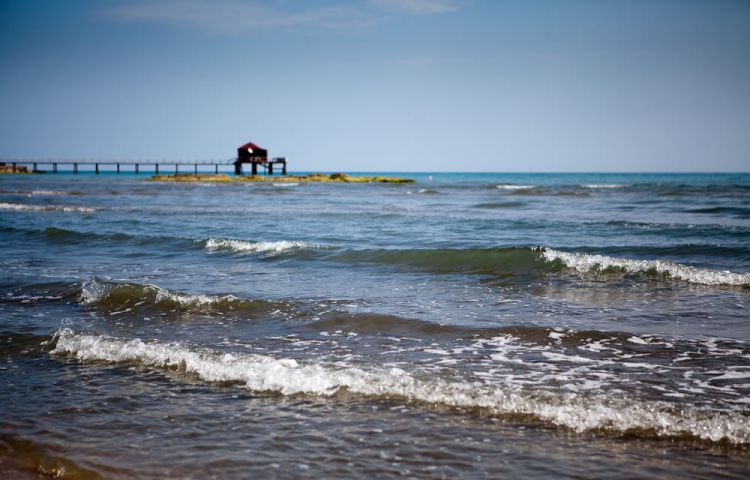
121,166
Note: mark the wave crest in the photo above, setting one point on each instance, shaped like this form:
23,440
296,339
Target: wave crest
243,246
584,262
118,298
22,207
289,377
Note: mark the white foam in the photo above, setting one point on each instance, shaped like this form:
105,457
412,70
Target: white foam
603,185
242,246
584,262
573,410
49,192
637,340
45,208
190,299
92,291
285,184
508,186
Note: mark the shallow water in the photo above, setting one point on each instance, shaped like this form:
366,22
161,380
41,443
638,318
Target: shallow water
476,325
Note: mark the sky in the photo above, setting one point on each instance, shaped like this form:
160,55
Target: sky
382,85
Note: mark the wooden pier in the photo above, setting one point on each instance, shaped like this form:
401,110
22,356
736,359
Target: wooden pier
137,167
248,153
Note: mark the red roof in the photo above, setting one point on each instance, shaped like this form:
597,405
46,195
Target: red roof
250,145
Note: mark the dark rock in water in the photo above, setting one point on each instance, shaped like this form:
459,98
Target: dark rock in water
11,169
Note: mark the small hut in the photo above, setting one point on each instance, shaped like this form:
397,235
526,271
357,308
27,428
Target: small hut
255,155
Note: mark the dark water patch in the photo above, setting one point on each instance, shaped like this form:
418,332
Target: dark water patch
38,292
374,323
25,459
63,236
380,324
15,343
498,262
739,212
675,231
493,205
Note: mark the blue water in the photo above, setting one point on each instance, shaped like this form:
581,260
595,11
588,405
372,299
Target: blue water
463,325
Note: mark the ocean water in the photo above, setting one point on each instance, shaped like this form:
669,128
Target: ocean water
464,326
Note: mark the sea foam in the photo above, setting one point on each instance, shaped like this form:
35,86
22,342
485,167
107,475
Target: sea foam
603,185
243,246
507,186
288,376
584,262
46,208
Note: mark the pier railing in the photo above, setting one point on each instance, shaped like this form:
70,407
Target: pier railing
117,166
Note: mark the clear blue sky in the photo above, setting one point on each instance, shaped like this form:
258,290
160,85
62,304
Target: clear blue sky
430,85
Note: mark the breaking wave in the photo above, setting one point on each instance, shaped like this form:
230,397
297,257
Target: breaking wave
46,208
508,186
534,262
120,298
583,262
573,410
603,185
243,246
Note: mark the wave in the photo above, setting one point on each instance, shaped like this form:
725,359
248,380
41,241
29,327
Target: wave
56,235
500,205
424,191
741,212
509,186
53,192
121,298
375,323
583,262
603,185
243,246
39,192
287,376
63,235
499,262
536,262
46,208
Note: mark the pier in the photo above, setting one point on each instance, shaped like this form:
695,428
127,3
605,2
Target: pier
248,153
118,166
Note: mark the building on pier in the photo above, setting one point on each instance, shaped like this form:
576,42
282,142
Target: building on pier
255,155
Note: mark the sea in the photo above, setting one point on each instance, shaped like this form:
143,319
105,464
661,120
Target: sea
468,325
